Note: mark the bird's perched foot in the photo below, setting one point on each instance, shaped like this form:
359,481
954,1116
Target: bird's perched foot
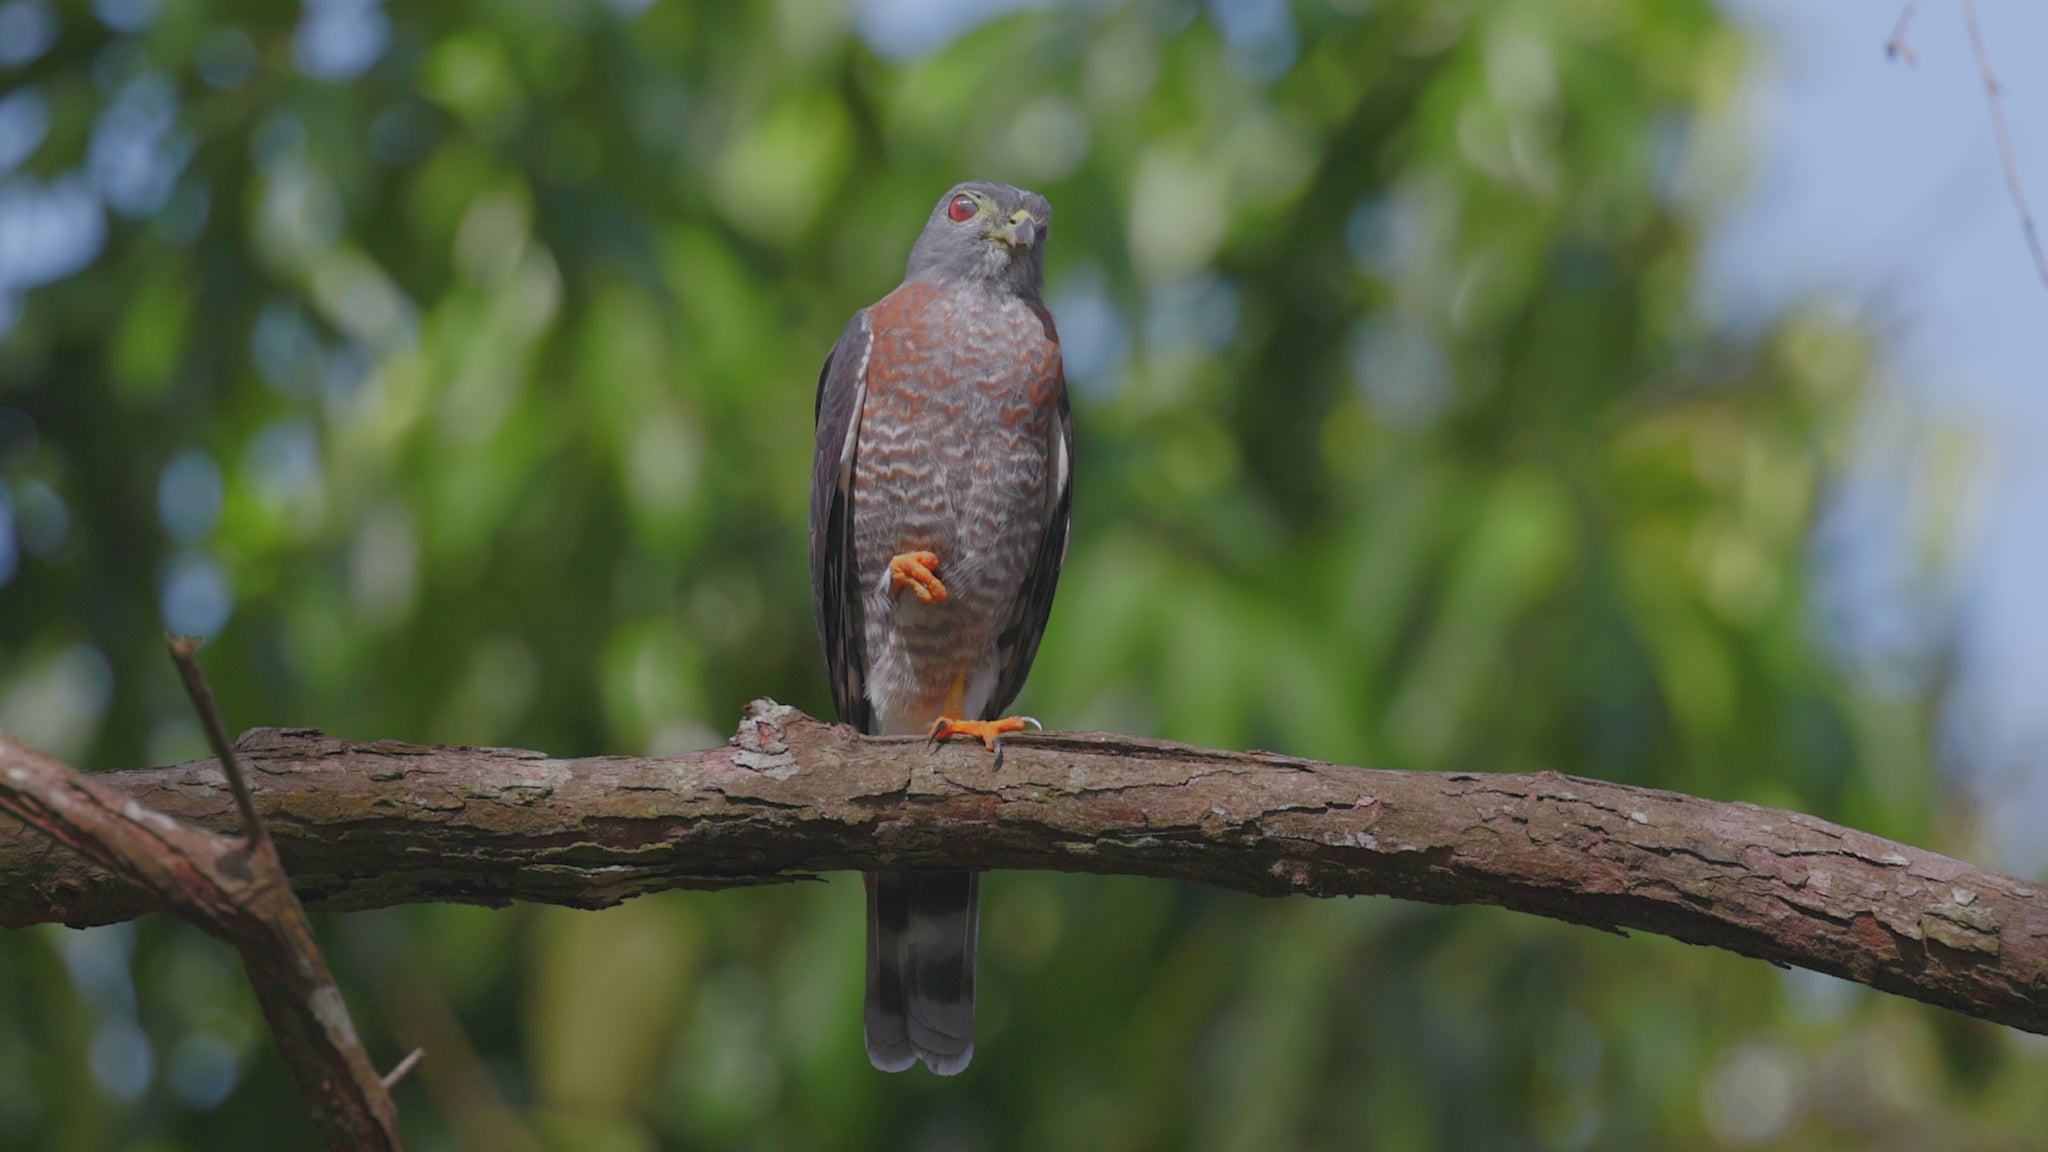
917,571
989,732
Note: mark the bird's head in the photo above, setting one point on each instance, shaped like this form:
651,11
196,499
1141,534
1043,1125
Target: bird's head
986,232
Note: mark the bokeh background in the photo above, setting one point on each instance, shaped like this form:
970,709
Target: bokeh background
1647,389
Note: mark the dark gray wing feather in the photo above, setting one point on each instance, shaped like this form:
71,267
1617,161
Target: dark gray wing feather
1017,644
835,579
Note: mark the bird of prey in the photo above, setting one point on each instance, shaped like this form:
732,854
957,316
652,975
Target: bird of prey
940,493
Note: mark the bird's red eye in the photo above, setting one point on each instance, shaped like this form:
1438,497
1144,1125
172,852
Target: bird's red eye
962,208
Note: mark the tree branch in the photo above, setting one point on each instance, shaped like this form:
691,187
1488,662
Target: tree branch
365,825
232,886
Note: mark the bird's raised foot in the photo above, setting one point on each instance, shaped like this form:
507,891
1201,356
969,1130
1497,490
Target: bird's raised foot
989,732
917,571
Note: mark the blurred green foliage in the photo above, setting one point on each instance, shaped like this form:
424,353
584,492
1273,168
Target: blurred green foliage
461,388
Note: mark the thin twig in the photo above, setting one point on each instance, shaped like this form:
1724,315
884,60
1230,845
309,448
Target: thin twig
458,1082
406,1065
182,650
1995,93
1897,47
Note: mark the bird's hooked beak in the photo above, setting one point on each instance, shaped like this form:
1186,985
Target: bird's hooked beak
1019,231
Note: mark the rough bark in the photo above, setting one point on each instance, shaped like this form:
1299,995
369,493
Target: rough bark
368,824
230,885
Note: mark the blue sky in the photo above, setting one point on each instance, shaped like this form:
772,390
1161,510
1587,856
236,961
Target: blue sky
1877,186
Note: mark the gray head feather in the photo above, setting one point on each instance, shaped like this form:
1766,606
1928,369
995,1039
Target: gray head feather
1002,244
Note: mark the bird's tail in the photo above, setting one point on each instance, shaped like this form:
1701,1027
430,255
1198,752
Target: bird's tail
920,1003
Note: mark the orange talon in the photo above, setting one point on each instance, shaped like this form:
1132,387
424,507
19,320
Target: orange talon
986,731
918,572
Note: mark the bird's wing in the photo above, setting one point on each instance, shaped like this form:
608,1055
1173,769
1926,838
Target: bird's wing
1017,644
835,580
